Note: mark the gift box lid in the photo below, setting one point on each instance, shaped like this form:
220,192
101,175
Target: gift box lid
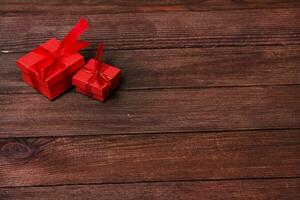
80,79
28,63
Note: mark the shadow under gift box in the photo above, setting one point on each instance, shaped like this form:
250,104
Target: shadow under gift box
58,81
82,77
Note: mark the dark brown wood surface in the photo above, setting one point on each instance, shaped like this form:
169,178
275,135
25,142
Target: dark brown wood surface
79,7
265,189
160,30
150,157
186,68
208,108
153,111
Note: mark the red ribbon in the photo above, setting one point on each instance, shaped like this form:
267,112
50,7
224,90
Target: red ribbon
97,75
69,46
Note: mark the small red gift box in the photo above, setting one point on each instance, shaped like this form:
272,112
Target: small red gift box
49,68
97,79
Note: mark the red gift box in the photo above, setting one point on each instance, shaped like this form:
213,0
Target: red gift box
49,68
97,79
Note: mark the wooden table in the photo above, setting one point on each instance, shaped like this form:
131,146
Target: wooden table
208,108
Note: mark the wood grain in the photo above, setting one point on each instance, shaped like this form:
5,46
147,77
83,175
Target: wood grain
159,30
80,7
281,189
150,157
149,111
185,68
208,108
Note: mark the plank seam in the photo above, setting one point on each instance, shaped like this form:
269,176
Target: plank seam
30,13
172,48
157,133
152,182
178,88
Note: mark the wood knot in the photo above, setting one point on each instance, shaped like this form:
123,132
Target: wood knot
16,150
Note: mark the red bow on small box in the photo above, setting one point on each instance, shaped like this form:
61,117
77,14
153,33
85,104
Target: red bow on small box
97,79
68,46
97,75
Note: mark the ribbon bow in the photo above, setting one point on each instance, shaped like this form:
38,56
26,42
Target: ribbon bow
97,75
68,46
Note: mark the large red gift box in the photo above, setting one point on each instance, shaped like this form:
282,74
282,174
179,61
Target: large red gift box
49,68
97,79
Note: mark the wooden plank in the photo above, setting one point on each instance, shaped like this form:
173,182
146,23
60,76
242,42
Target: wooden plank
282,189
149,157
177,68
79,7
160,30
149,111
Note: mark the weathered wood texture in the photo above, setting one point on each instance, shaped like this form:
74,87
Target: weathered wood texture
152,111
281,189
153,157
208,108
182,68
160,30
82,7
